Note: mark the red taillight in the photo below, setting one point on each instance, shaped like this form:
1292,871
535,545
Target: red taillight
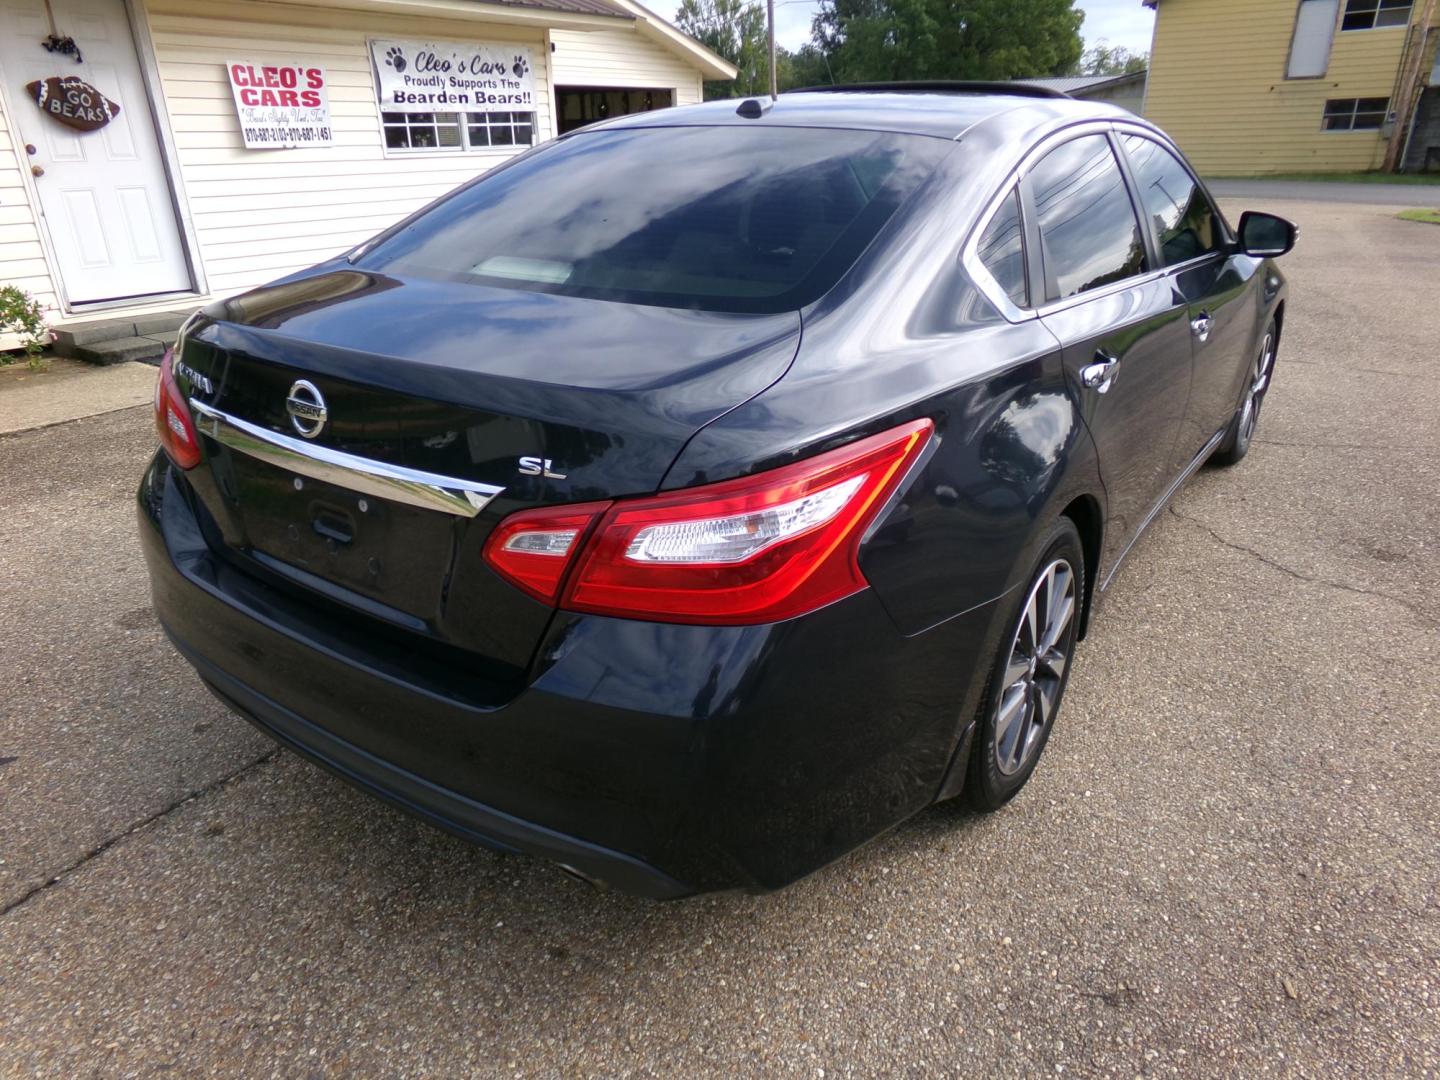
172,419
758,549
533,549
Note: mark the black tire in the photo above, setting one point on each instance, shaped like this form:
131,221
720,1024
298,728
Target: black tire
1002,761
1241,432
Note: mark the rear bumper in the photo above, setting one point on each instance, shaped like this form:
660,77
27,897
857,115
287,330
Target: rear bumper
662,759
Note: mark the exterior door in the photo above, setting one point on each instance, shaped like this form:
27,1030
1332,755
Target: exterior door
1217,284
1124,330
104,194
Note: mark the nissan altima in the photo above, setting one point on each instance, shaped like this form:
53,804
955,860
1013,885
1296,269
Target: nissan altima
698,495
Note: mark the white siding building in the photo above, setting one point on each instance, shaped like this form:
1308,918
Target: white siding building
256,138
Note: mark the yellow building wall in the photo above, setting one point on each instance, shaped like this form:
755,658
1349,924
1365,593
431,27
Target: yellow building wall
1218,87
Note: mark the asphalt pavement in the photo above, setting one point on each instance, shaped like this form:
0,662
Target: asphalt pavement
1227,864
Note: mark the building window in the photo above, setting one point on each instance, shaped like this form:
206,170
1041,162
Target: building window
1355,114
457,131
1314,33
1375,14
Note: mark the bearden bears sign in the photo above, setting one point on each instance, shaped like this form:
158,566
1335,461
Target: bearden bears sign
450,76
280,106
73,102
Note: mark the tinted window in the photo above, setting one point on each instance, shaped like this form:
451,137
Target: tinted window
1002,250
1089,236
1185,222
716,218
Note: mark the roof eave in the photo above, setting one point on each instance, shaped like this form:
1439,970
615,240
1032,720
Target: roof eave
711,65
473,11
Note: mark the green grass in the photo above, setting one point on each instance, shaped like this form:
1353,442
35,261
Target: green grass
1411,179
1430,216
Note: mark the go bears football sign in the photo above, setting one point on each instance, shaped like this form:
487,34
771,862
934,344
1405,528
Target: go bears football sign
450,76
280,106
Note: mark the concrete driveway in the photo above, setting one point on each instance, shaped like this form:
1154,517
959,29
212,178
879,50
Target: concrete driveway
1228,864
1367,194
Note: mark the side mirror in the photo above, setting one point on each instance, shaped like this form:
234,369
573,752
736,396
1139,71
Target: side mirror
1266,236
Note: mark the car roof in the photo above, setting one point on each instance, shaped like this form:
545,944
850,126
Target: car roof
932,109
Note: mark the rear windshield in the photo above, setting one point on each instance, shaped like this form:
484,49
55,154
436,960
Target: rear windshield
715,218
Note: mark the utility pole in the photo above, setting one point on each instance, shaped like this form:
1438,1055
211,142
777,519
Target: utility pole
770,32
1407,83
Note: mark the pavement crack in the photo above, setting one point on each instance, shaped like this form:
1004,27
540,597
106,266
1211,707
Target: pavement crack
133,828
1375,594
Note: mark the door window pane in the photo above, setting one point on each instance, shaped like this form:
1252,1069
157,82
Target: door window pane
1089,235
1002,250
1186,224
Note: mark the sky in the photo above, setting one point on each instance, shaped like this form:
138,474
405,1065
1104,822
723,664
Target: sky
1120,22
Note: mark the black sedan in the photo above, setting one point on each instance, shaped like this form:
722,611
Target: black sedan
698,495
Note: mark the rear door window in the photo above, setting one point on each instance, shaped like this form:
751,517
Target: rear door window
1002,250
1089,235
1187,225
715,218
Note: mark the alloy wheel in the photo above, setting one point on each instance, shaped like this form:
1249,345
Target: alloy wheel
1259,381
1035,672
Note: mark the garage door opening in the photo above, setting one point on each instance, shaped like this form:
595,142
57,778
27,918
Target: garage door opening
581,105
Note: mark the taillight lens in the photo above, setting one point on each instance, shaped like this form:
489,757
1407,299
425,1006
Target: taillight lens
758,549
172,419
533,549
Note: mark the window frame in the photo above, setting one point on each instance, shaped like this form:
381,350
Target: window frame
464,124
1355,111
1380,5
1019,175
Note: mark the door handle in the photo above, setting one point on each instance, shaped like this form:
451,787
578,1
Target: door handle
1200,326
37,170
1101,374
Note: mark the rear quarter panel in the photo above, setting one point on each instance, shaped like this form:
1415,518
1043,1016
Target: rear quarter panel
904,335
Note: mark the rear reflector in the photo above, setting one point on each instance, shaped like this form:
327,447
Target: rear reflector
172,419
758,549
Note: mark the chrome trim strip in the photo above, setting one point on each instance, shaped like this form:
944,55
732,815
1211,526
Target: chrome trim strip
430,491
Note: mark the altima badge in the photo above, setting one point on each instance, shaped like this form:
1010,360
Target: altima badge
306,406
534,466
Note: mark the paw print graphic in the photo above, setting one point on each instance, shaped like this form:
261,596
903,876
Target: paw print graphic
520,67
395,58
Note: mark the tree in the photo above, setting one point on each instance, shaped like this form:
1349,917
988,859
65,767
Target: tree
734,29
1102,58
885,40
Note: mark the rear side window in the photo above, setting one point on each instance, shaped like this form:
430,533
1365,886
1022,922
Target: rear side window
1186,223
714,218
1002,250
1089,235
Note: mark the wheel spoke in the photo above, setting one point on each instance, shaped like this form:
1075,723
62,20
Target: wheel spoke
1010,722
1053,662
1046,691
1016,669
1030,628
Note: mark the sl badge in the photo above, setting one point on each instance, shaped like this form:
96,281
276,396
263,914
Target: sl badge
73,102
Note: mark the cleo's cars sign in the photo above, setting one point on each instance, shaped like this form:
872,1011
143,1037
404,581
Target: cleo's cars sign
280,106
450,76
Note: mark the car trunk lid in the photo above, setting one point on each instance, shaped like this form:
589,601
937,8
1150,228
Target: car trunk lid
540,398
